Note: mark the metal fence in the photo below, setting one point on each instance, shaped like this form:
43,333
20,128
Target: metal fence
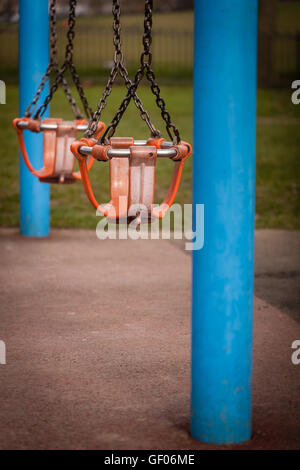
279,60
172,51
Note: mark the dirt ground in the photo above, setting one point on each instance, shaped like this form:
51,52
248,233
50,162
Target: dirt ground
98,355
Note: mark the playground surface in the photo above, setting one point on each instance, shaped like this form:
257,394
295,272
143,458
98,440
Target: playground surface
98,343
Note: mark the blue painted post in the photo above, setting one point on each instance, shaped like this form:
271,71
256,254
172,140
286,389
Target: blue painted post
33,61
224,181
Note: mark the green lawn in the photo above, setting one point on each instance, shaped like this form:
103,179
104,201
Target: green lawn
278,152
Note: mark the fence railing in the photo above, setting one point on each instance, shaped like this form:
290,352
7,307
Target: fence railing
172,51
278,54
278,59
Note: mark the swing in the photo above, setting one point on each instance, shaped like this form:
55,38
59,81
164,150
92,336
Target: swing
131,162
132,174
58,160
58,136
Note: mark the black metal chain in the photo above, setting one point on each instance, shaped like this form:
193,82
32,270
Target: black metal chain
68,63
118,67
53,66
144,70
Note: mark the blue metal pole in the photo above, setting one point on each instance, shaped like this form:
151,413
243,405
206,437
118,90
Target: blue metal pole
33,61
224,181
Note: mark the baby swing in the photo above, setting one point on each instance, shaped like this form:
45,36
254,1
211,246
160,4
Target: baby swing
58,160
132,162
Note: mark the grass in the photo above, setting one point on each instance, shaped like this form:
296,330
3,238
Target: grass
278,172
278,152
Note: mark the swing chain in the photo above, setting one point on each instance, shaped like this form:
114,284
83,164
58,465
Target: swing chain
53,33
146,60
68,63
118,66
162,105
143,113
53,65
118,55
144,69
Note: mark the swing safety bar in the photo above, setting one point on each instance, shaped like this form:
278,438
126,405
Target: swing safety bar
49,126
111,153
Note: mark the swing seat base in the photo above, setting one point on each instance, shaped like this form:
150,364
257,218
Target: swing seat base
58,180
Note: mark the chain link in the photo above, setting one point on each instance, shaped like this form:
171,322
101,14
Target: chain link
144,70
60,73
118,67
53,66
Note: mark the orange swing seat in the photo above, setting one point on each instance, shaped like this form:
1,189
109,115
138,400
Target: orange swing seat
58,135
132,175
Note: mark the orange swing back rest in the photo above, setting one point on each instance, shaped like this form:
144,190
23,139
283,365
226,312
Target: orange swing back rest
132,180
58,160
